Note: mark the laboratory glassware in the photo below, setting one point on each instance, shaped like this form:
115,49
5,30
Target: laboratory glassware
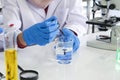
10,52
63,50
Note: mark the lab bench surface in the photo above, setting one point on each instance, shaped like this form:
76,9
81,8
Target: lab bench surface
87,64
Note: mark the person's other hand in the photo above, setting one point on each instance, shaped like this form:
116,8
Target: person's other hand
69,35
41,33
1,30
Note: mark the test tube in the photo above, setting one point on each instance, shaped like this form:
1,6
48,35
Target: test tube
10,53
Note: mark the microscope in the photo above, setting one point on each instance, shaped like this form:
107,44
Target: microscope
108,40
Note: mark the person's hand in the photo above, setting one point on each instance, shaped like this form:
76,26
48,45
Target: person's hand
69,35
1,30
41,33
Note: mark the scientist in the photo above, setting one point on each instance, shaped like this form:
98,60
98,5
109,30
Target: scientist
39,21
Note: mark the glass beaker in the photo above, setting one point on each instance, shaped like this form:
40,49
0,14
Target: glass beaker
10,53
63,50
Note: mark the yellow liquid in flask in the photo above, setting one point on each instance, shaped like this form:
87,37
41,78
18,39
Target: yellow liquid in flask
11,64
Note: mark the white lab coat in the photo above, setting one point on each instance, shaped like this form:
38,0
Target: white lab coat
68,12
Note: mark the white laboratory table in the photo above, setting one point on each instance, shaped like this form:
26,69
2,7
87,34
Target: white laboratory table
87,64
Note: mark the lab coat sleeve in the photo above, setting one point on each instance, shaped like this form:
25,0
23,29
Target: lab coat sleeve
76,20
11,14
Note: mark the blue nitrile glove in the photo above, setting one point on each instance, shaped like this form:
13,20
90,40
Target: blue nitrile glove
1,30
69,35
41,33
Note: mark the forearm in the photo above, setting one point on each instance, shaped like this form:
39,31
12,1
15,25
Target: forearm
21,43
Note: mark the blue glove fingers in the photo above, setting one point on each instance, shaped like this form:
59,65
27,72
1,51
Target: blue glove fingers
1,30
46,23
35,31
53,18
76,44
34,34
41,41
38,37
52,27
32,37
53,35
27,37
69,35
48,35
67,32
49,22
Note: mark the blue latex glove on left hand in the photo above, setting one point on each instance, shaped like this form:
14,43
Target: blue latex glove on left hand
69,35
41,33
